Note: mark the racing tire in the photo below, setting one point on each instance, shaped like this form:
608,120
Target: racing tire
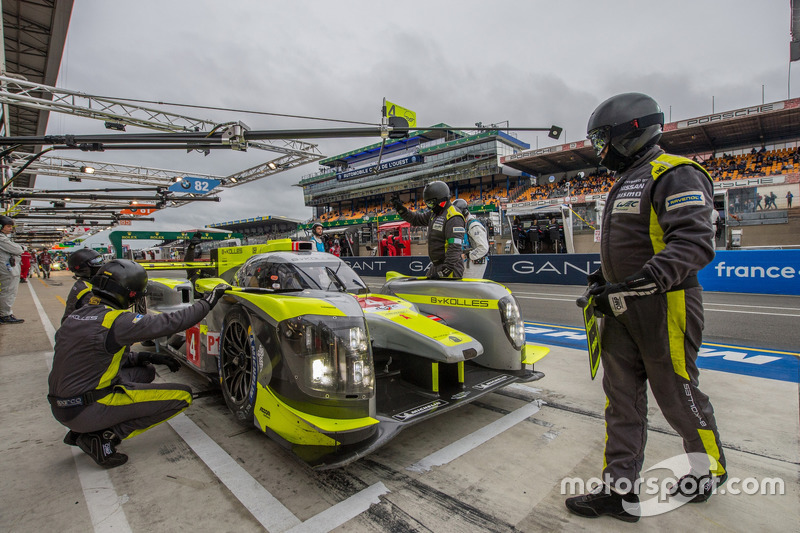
237,365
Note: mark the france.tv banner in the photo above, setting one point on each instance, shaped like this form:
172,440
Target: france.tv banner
753,271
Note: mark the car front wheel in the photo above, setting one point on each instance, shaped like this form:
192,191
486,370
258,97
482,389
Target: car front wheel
237,365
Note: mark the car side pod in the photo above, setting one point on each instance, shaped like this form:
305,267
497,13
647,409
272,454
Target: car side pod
396,324
485,310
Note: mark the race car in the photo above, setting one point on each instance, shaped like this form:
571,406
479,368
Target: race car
302,349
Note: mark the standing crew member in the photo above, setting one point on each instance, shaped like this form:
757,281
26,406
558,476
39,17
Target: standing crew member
44,263
476,243
445,229
10,253
84,264
316,236
88,393
25,268
656,236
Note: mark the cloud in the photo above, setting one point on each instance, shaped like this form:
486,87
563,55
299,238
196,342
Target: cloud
528,62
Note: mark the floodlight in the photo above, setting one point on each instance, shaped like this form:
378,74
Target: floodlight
555,132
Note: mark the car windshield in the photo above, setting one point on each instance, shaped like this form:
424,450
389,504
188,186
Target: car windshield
321,275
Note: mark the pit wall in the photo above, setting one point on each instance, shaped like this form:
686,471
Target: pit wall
742,271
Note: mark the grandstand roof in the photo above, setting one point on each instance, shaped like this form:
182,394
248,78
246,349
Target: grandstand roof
256,222
757,125
423,135
34,34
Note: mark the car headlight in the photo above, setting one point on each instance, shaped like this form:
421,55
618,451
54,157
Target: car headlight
512,321
329,355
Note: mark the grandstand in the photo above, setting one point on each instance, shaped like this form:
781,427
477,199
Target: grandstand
751,153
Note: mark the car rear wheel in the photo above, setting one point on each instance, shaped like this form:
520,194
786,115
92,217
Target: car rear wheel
237,365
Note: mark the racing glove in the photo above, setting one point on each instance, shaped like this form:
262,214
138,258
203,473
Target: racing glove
441,271
158,359
214,295
610,298
398,205
596,278
195,240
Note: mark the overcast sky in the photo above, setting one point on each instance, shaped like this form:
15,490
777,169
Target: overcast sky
533,63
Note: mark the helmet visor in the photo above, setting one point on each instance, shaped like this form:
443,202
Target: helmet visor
95,262
599,138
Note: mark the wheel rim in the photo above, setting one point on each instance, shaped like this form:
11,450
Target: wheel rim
237,362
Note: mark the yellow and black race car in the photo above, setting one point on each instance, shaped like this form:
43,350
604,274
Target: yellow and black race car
304,351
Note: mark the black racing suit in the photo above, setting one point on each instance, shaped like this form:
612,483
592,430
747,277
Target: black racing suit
657,220
445,237
91,346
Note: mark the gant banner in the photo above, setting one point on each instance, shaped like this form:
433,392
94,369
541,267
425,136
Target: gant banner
747,271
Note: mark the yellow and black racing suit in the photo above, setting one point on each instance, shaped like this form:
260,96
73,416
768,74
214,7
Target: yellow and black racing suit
87,390
445,237
80,293
657,220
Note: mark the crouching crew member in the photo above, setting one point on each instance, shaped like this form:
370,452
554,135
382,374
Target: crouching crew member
89,393
84,264
445,229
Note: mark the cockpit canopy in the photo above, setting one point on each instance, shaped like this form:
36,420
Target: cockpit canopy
298,271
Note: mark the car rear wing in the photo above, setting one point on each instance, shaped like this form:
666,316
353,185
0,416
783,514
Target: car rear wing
224,261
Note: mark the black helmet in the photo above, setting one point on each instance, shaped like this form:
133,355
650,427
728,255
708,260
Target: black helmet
626,124
85,263
121,281
6,221
461,205
435,194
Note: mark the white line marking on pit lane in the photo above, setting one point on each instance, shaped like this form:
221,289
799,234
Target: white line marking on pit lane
536,294
746,312
343,511
752,306
541,298
518,295
105,506
264,507
475,439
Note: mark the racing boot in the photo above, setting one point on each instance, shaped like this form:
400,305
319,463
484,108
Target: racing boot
697,489
100,446
71,438
604,501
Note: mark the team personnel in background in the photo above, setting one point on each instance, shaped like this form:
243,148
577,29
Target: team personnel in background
445,229
88,392
476,243
44,263
34,266
10,253
316,237
656,236
84,264
191,253
25,265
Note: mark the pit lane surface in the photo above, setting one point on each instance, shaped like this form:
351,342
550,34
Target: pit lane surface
451,473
